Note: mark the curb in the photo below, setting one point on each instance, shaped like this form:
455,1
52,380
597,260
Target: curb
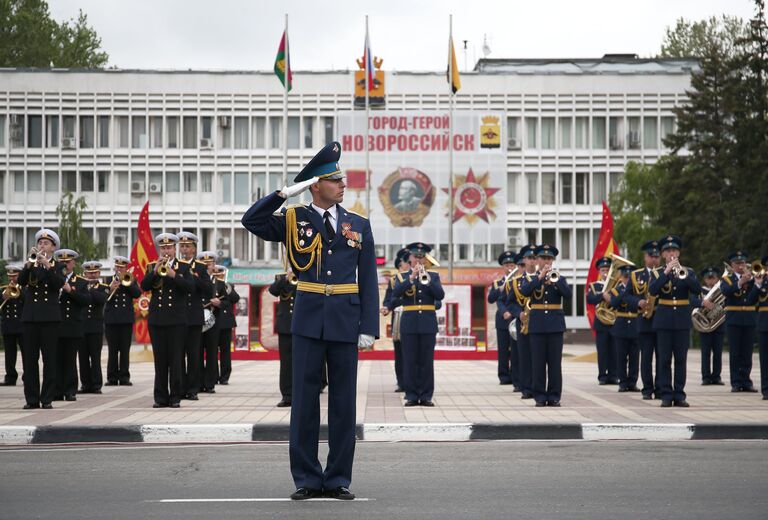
414,432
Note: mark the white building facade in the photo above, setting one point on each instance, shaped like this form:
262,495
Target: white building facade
201,146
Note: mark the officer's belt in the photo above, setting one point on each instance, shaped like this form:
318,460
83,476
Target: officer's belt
547,307
763,309
328,290
626,315
674,303
741,308
407,308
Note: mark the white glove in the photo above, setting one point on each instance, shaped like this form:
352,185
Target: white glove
290,191
365,341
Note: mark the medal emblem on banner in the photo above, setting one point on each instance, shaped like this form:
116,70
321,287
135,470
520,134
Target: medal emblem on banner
356,183
407,196
490,132
472,198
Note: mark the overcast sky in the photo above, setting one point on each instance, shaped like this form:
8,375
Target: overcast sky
408,34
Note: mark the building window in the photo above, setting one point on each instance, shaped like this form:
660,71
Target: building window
531,236
51,132
328,129
479,253
275,131
582,187
548,236
633,133
548,188
103,129
226,188
242,194
513,238
650,133
547,133
258,132
582,244
259,185
156,131
86,181
530,132
598,187
103,182
190,132
87,131
533,191
121,131
139,132
616,179
190,182
69,182
18,182
122,182
2,194
156,182
172,184
615,131
51,182
566,126
293,133
206,181
566,187
68,127
2,133
309,123
598,133
667,127
225,132
241,133
565,244
513,133
512,180
172,129
17,130
581,133
463,252
35,131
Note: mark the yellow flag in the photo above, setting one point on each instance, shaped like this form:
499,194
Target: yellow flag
452,74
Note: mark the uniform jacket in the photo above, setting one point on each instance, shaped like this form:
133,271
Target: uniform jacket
225,313
762,314
594,297
414,293
286,292
626,312
119,310
94,312
202,291
499,294
41,293
10,316
515,300
168,305
675,299
746,296
546,321
390,302
337,317
73,305
639,282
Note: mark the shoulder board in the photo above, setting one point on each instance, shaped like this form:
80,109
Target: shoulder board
73,278
638,271
356,214
400,277
432,271
592,285
727,279
294,206
392,282
103,285
614,292
655,273
182,261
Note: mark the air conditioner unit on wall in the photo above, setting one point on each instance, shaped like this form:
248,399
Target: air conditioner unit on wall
206,143
120,240
224,121
137,186
68,143
513,143
155,187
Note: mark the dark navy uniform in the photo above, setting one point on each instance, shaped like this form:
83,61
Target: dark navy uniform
208,361
225,322
762,332
672,321
11,328
607,361
740,324
93,327
418,330
336,309
71,335
393,305
118,328
498,293
191,379
168,325
546,326
624,334
285,291
515,303
640,281
711,343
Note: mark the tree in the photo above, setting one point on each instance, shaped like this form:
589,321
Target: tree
30,38
71,231
694,39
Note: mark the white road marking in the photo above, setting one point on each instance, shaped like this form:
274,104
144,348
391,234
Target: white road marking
281,499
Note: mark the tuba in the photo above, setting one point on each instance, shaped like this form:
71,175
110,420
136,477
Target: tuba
603,312
706,320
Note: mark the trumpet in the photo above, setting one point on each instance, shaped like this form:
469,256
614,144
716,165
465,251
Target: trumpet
163,269
553,276
126,280
32,256
678,271
13,291
757,269
423,275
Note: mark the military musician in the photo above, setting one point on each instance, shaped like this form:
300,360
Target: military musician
225,313
640,280
711,342
519,306
393,306
624,331
118,322
762,328
209,365
607,361
11,306
498,293
91,378
284,288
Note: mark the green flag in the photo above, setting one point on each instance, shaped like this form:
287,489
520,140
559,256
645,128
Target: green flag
283,63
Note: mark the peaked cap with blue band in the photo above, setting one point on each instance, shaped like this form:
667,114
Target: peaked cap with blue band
507,257
671,242
651,247
325,164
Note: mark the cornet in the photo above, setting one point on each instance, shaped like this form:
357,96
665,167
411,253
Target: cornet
424,277
32,255
678,271
757,268
553,276
163,269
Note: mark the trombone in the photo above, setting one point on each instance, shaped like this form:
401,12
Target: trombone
126,280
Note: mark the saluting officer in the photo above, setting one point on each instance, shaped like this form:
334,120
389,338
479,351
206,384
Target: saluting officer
498,293
624,331
546,327
419,289
640,280
190,358
391,306
42,279
209,365
711,342
741,297
284,288
12,301
73,300
332,252
118,323
762,330
674,286
516,305
607,359
226,320
171,284
93,327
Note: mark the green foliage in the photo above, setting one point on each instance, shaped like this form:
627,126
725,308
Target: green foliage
693,39
30,38
71,231
3,274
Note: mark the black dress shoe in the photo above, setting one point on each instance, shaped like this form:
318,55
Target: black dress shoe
556,404
765,398
340,493
175,405
735,389
399,389
682,404
47,406
159,405
623,389
223,382
110,383
31,406
8,382
97,391
718,383
429,404
665,403
411,402
526,396
633,388
706,382
505,382
193,397
303,493
602,383
647,397
209,391
126,383
284,404
70,398
750,389
540,404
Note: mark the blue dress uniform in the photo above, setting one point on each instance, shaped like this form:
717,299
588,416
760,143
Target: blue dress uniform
168,324
391,304
640,281
10,324
337,302
118,328
225,322
285,291
672,321
711,342
624,334
40,317
762,332
607,362
418,330
498,293
71,329
740,323
209,366
546,326
91,379
515,303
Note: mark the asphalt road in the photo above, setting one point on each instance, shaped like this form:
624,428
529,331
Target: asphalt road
481,480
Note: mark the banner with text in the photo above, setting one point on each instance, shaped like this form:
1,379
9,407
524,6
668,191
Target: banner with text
409,161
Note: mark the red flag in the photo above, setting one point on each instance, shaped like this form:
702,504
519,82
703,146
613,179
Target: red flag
142,253
605,246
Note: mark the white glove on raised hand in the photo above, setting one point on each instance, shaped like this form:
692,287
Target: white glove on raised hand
365,341
290,191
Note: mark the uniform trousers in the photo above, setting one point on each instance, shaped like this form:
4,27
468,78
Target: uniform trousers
741,342
525,363
225,355
90,362
398,362
509,361
712,356
546,358
209,354
606,357
648,349
12,342
167,343
118,352
628,361
40,338
672,345
418,366
308,360
66,366
190,360
285,343
762,339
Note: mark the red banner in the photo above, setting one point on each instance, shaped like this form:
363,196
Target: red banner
605,246
142,253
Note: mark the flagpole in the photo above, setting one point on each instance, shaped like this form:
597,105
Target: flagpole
450,147
366,59
285,104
